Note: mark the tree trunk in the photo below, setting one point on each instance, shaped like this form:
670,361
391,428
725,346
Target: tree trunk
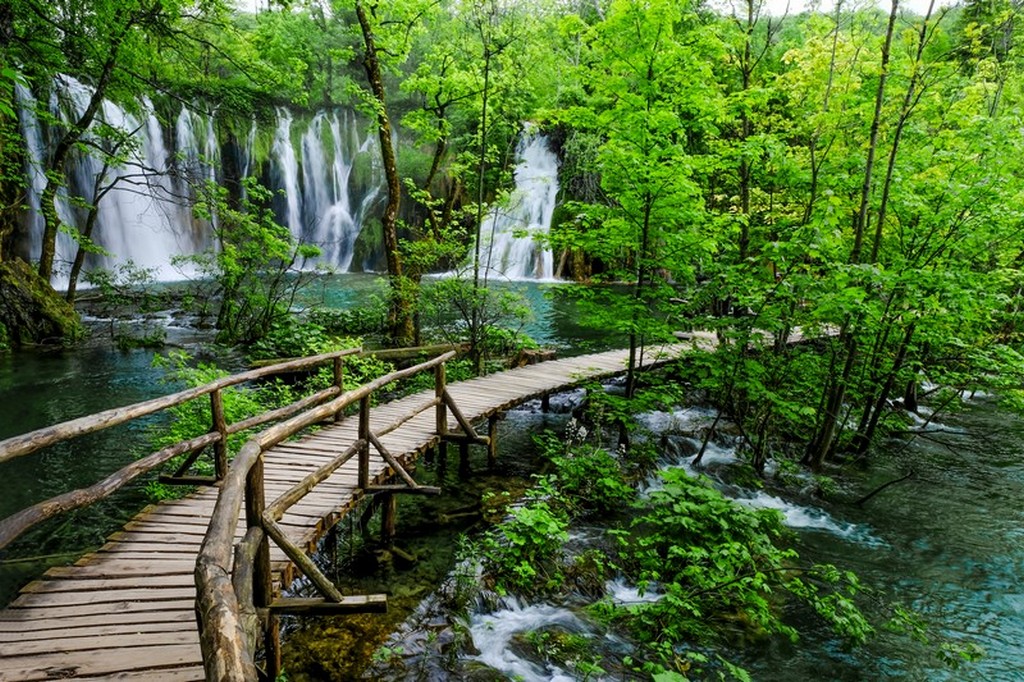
55,168
400,317
861,221
866,434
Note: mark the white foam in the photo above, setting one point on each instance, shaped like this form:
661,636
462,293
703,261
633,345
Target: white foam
810,518
624,594
686,420
493,632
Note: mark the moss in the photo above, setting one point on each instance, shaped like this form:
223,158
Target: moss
31,311
361,177
368,250
5,338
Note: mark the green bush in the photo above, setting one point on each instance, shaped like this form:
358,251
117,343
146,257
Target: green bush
523,554
719,570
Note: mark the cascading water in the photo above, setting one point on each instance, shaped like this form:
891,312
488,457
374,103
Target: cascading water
139,217
286,173
336,198
326,188
509,233
326,174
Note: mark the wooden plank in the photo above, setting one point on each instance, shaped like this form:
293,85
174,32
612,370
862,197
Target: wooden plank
65,645
87,584
111,598
95,629
89,622
14,614
100,662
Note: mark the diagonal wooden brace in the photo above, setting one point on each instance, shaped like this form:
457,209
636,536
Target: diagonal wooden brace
392,462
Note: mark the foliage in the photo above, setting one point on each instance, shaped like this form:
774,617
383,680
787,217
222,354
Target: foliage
193,418
523,553
712,561
488,319
256,265
589,479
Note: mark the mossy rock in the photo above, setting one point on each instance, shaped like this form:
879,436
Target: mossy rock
368,250
31,312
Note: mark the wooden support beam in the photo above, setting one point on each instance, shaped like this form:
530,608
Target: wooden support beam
388,518
418,490
392,462
459,438
492,440
363,603
187,463
302,560
464,469
467,428
263,578
364,436
339,383
220,426
440,415
545,403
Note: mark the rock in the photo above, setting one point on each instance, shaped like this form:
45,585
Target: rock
31,311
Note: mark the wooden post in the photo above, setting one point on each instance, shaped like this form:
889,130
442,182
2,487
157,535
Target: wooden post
220,425
364,435
492,440
339,381
388,516
441,413
464,469
263,588
545,403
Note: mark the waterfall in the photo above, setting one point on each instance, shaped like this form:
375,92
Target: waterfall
508,235
334,201
287,173
326,175
35,150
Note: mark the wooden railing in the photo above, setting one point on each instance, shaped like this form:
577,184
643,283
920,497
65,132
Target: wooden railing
18,446
235,603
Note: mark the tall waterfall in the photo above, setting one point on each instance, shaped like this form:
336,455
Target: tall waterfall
336,197
508,235
325,173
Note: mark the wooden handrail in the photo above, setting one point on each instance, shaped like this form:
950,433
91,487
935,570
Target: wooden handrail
227,594
16,524
34,440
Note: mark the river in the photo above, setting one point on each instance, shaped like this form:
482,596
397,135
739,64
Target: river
946,542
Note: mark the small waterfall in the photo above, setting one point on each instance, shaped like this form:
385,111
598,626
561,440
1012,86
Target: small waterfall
508,234
334,201
32,225
287,173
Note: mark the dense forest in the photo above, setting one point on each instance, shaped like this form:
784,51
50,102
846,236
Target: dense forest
836,194
851,174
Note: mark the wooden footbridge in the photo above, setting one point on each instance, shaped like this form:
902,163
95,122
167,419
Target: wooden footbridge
191,589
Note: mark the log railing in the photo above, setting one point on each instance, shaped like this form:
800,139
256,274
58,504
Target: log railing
18,446
235,602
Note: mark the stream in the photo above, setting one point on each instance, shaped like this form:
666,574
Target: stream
947,542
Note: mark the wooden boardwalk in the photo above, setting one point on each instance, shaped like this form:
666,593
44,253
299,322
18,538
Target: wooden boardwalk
127,611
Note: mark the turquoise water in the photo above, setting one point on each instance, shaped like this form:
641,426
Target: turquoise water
949,542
